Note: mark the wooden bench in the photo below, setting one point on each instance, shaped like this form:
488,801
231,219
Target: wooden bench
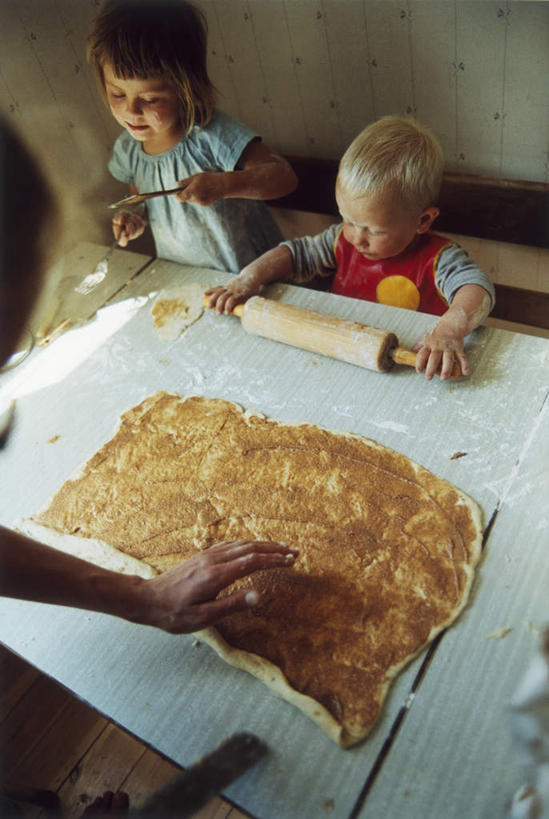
496,209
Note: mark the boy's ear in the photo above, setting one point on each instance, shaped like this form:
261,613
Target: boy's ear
426,219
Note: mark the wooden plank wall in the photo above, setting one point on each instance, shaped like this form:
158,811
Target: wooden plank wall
310,74
500,210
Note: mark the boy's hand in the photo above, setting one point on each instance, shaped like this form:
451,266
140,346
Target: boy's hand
441,346
127,225
437,352
225,297
273,265
185,599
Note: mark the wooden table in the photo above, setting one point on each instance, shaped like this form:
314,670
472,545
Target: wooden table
443,745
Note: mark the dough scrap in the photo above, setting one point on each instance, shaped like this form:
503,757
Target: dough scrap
176,309
387,549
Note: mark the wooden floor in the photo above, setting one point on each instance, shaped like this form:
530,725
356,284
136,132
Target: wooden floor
54,741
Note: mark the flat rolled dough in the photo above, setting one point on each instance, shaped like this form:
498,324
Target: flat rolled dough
387,549
175,309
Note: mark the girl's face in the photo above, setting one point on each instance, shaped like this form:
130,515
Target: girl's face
148,109
378,227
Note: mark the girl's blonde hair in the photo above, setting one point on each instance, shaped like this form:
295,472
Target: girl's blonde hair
395,156
156,38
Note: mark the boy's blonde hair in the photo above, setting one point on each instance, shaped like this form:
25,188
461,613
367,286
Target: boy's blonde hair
156,38
396,156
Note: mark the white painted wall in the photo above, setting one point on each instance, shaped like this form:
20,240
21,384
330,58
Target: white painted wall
310,74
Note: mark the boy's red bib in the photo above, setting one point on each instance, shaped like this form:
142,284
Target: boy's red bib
406,280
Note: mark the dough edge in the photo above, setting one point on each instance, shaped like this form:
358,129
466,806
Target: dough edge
104,555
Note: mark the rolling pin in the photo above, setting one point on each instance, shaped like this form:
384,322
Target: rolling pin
334,337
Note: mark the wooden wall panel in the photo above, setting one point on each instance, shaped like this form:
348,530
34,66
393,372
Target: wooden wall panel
235,25
279,70
435,71
312,58
526,126
389,36
481,38
307,75
349,38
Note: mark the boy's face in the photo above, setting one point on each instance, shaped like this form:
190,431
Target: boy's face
377,226
148,109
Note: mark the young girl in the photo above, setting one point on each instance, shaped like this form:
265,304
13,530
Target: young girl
150,62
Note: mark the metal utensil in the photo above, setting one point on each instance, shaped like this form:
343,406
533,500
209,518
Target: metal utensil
137,198
190,790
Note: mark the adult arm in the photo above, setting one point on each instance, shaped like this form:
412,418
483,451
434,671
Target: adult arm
180,600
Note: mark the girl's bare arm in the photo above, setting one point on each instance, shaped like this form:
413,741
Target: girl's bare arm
260,175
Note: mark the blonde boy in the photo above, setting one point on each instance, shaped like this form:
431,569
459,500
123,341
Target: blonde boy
383,250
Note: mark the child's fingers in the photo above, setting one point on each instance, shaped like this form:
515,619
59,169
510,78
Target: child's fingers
226,302
120,226
463,362
447,365
119,233
130,226
215,294
433,364
187,188
422,356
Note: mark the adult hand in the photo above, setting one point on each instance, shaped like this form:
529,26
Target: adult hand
183,599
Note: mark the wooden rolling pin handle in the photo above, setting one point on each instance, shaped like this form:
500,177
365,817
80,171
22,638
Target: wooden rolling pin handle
402,356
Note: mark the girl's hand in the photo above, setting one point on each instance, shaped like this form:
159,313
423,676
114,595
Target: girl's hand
203,188
438,350
127,225
259,174
184,599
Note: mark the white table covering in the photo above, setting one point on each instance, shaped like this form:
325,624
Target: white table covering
449,753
